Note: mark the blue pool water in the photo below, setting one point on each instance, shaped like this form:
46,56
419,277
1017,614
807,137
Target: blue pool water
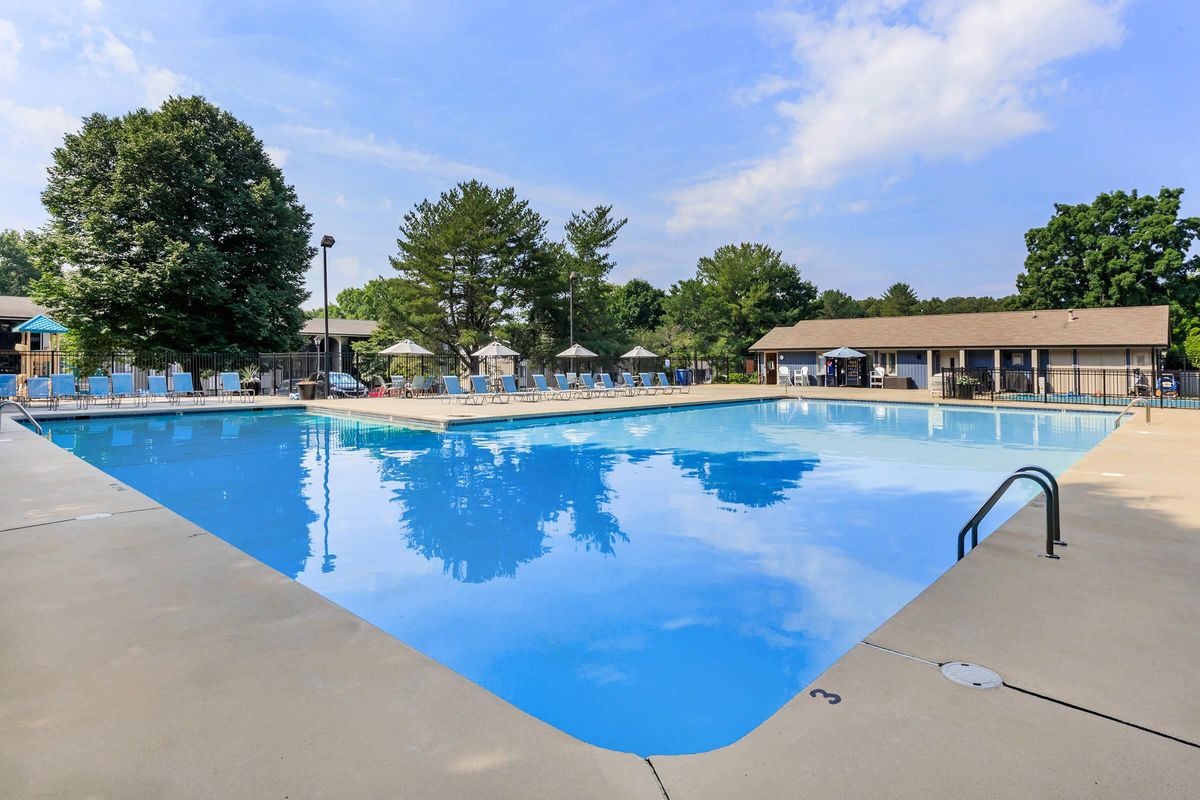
654,582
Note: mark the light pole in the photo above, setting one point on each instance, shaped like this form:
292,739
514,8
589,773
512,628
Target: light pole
571,281
326,243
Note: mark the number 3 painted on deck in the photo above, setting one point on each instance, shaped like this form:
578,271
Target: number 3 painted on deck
834,699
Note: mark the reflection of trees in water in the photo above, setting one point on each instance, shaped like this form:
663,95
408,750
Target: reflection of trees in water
480,506
754,480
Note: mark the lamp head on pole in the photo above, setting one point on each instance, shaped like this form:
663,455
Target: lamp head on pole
327,241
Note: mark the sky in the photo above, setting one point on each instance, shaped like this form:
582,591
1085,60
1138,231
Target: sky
870,141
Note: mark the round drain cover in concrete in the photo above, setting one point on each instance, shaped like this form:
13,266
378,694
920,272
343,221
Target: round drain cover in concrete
100,515
972,675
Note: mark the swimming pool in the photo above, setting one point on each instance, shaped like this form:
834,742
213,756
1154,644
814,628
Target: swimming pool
657,582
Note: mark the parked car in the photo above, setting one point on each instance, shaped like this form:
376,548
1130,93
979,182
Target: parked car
342,384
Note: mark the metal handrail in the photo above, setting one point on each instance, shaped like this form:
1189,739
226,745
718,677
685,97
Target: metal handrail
1049,488
24,412
1145,403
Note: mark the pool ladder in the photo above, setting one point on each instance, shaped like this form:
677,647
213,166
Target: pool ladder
1049,486
1145,402
24,412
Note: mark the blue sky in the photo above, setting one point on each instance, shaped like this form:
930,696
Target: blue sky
871,141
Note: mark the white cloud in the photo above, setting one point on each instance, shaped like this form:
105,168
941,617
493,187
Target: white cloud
92,7
887,81
10,46
159,83
278,155
108,53
340,199
767,86
40,127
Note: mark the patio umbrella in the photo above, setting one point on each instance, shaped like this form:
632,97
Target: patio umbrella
495,349
844,352
576,351
639,352
405,347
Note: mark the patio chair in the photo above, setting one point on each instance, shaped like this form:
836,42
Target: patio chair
877,377
156,389
509,384
609,386
631,385
648,383
182,386
539,385
62,386
231,387
37,390
122,387
564,387
589,383
455,393
419,384
8,386
665,386
99,388
572,380
397,388
479,386
802,376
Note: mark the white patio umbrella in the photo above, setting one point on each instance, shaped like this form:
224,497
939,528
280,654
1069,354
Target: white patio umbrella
576,351
405,347
495,349
639,352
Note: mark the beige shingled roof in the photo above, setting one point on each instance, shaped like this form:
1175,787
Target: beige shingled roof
19,308
1091,327
339,327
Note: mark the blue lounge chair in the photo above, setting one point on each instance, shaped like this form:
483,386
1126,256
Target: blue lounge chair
455,393
631,385
539,383
182,386
99,388
231,387
509,384
37,390
479,386
122,387
589,383
666,385
62,386
648,383
156,389
8,386
564,387
609,386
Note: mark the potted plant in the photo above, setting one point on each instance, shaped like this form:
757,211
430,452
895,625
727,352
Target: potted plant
966,386
250,379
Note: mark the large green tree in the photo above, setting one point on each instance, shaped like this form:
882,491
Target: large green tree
173,229
470,264
636,305
834,304
745,290
1123,249
17,269
900,300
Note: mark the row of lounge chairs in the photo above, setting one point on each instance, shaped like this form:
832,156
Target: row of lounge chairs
567,387
60,387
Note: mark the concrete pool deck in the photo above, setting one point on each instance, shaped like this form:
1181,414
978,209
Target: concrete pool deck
143,657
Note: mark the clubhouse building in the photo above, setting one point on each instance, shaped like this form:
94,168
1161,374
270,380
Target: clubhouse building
912,350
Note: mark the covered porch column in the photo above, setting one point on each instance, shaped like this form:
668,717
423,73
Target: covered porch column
996,370
929,371
1033,356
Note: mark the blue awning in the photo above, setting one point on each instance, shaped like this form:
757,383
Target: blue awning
39,324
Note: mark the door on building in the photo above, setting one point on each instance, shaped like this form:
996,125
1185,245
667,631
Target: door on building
770,368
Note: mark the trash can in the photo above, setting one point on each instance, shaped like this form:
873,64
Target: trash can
308,390
683,377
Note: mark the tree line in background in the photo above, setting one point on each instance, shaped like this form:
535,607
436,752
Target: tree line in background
173,229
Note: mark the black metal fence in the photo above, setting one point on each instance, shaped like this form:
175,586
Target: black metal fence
1103,386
